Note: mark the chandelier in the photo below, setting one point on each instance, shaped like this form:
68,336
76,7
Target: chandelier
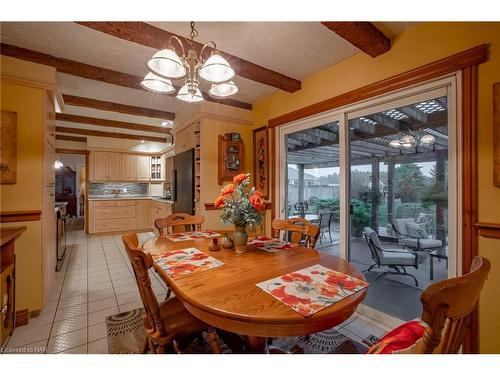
167,65
411,140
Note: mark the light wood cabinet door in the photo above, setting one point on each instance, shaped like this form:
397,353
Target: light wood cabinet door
128,167
184,140
143,166
100,165
114,170
142,214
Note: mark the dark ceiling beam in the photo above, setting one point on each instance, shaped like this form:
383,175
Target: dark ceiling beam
96,133
110,123
151,36
363,35
80,101
95,73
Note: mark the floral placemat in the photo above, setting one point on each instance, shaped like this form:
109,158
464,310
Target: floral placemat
187,236
269,244
311,289
183,262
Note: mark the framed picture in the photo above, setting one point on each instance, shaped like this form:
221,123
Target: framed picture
8,147
496,134
261,160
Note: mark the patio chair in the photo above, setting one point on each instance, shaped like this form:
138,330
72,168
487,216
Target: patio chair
325,223
396,259
413,235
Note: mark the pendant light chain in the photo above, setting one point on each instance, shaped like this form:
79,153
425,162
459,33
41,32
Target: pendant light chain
194,32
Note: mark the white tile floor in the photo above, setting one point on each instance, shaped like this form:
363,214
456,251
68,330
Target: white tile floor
96,281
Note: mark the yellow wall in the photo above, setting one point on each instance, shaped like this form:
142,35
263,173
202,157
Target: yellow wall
418,46
209,132
26,194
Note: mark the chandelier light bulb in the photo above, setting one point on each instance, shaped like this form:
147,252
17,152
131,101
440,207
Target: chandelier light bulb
216,69
190,93
167,64
157,84
223,90
58,164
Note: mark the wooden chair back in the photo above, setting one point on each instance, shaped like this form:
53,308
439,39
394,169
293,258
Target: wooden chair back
299,230
179,222
446,306
141,263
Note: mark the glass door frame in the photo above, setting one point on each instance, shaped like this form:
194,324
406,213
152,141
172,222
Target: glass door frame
450,86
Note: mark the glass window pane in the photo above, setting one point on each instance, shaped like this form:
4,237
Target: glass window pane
313,181
399,203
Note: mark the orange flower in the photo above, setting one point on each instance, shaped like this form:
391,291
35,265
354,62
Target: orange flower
258,193
257,202
240,178
220,201
228,189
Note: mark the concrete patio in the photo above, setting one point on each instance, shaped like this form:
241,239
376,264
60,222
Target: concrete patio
392,294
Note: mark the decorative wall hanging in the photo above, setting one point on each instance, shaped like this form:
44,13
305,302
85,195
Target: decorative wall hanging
231,155
261,160
496,134
8,147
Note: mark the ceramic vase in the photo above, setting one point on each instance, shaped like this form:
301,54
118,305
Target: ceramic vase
240,239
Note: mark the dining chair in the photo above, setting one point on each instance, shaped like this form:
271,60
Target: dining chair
179,222
446,307
296,230
168,322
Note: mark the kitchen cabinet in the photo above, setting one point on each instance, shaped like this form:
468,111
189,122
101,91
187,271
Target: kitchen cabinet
128,167
184,140
111,216
143,214
159,210
114,170
107,166
143,166
100,165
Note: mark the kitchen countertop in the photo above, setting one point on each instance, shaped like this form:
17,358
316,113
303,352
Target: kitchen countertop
112,198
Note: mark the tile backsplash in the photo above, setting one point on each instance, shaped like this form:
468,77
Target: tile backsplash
106,188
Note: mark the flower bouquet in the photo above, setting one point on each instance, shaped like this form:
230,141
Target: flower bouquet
241,206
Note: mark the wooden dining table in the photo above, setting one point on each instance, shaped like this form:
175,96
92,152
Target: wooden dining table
227,297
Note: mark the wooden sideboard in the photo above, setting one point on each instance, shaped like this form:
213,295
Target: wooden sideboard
8,280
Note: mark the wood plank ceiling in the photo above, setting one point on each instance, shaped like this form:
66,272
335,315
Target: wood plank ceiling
100,66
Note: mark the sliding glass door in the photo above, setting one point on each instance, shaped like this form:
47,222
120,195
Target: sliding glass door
398,195
313,180
380,179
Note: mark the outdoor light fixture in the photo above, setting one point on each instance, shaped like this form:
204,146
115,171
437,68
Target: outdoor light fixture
411,140
167,64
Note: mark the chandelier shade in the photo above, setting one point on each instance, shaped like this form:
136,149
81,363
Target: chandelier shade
216,69
190,94
157,84
427,140
223,90
167,64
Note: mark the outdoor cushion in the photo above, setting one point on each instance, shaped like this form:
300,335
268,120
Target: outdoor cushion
400,225
416,230
399,338
425,243
402,259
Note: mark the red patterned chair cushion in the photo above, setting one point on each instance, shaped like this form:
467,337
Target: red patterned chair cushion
399,338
